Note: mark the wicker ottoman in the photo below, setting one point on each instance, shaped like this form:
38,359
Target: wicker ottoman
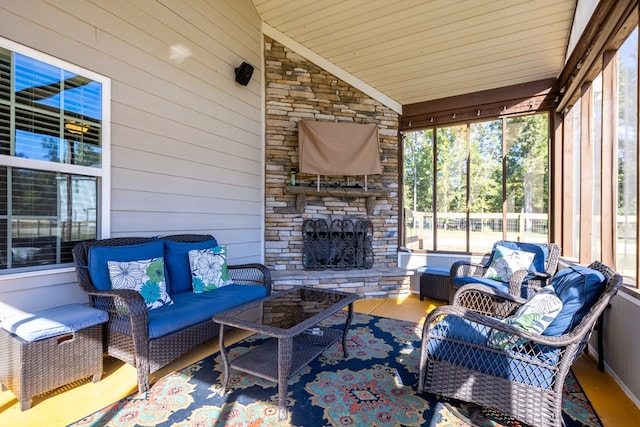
48,349
434,282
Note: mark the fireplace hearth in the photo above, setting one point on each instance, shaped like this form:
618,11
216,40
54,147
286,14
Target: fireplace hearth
337,244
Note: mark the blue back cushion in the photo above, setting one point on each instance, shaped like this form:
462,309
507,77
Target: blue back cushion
176,259
578,288
541,253
99,255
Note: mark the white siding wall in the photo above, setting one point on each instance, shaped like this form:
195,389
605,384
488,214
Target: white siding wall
187,151
622,343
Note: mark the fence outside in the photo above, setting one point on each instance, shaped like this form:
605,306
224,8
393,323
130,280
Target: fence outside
486,228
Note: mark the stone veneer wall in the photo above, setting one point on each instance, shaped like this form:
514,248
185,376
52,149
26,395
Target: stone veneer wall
298,89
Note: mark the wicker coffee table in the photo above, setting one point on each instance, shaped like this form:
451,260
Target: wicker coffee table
291,319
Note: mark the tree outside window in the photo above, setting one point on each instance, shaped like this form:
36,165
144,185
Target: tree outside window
490,182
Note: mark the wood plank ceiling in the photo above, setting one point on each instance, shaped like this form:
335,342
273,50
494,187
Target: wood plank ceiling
421,50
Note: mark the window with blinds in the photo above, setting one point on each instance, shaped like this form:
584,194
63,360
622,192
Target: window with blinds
51,158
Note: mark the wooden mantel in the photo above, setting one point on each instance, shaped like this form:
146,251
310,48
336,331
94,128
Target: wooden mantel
302,192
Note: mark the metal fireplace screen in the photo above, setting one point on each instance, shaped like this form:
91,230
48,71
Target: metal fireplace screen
340,244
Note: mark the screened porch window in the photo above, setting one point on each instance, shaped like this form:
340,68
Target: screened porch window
468,185
627,148
600,162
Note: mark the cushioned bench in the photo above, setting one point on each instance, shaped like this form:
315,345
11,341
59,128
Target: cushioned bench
162,292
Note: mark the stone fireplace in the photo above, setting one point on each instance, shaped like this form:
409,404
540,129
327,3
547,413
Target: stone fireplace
298,89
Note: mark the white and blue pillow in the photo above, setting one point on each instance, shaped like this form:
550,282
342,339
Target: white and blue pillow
533,316
144,276
209,269
507,261
176,258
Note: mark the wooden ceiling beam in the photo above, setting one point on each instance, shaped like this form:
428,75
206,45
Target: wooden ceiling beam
509,100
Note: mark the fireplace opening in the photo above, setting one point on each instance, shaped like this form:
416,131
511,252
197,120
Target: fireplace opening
337,244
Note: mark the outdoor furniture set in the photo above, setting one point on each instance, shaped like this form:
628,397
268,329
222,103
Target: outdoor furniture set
492,346
148,297
149,338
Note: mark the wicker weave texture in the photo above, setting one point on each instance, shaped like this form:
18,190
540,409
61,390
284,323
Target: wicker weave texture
30,368
434,286
290,347
524,382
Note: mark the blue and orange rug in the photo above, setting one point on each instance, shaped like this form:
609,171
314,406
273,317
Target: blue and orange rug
374,387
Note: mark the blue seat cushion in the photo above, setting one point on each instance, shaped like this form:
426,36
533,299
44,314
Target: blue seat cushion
176,259
54,321
189,309
459,281
435,271
578,288
538,372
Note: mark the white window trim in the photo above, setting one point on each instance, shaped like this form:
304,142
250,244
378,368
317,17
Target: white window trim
103,174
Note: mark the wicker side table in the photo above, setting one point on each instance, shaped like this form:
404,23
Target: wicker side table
434,282
45,350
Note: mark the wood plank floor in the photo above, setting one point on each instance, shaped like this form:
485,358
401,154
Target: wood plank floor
72,402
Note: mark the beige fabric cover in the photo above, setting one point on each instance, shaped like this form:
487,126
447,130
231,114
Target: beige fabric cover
329,148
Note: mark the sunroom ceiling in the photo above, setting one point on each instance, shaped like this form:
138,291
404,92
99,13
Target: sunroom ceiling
420,50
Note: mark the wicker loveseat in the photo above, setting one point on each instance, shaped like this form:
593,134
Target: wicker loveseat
150,339
522,373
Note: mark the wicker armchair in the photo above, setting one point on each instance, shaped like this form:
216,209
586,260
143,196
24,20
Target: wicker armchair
521,283
524,381
127,334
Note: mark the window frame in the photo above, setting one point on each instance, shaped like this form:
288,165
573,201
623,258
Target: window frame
577,100
102,174
433,245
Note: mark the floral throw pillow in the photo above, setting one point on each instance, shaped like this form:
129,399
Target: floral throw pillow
145,276
209,269
533,316
507,261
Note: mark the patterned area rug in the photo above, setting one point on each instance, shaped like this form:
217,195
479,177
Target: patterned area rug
374,387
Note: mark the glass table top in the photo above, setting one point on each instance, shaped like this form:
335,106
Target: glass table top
287,309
